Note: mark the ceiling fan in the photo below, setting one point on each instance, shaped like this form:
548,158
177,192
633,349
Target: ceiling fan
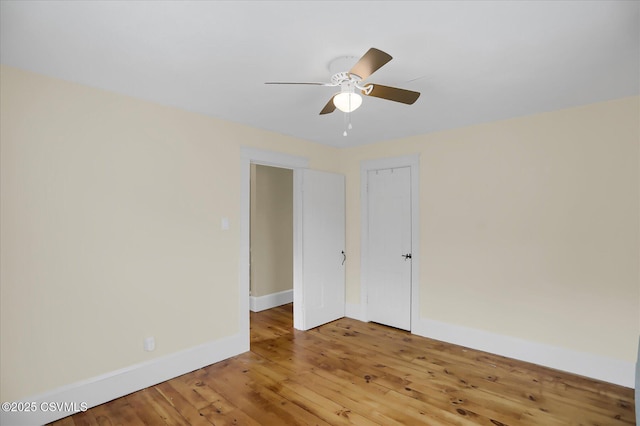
348,99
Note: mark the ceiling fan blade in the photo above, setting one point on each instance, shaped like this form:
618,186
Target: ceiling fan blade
392,94
286,82
370,62
329,107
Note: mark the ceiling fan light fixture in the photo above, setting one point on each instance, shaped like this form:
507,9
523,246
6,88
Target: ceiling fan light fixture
347,101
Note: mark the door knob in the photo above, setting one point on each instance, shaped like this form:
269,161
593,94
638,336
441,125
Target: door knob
407,256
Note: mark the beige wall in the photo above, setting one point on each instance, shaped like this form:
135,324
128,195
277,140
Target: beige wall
271,230
110,227
110,216
528,227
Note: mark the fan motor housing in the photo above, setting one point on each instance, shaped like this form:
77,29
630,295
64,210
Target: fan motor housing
341,77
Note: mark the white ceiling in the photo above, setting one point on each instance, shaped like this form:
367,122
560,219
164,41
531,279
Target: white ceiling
473,61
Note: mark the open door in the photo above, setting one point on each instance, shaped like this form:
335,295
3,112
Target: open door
319,284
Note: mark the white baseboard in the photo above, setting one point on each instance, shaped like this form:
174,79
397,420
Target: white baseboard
585,364
100,389
104,388
354,310
269,301
638,385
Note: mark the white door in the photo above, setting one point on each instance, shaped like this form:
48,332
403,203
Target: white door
323,242
389,247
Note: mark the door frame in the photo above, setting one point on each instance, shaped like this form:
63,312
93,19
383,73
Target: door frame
250,156
413,162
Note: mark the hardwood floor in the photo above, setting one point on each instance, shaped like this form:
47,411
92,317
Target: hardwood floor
350,372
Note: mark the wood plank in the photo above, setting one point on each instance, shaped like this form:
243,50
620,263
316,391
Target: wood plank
188,411
315,388
66,421
148,409
119,412
350,372
592,400
377,372
84,418
213,406
232,379
329,410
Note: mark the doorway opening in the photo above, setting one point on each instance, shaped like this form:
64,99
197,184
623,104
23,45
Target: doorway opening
250,157
318,232
270,238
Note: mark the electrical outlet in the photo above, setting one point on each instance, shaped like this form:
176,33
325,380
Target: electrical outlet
149,344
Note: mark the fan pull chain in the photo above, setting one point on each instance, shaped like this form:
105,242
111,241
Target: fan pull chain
347,123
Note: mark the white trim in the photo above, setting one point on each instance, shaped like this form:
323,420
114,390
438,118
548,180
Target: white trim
353,310
298,293
115,384
412,161
273,159
585,364
268,301
638,385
